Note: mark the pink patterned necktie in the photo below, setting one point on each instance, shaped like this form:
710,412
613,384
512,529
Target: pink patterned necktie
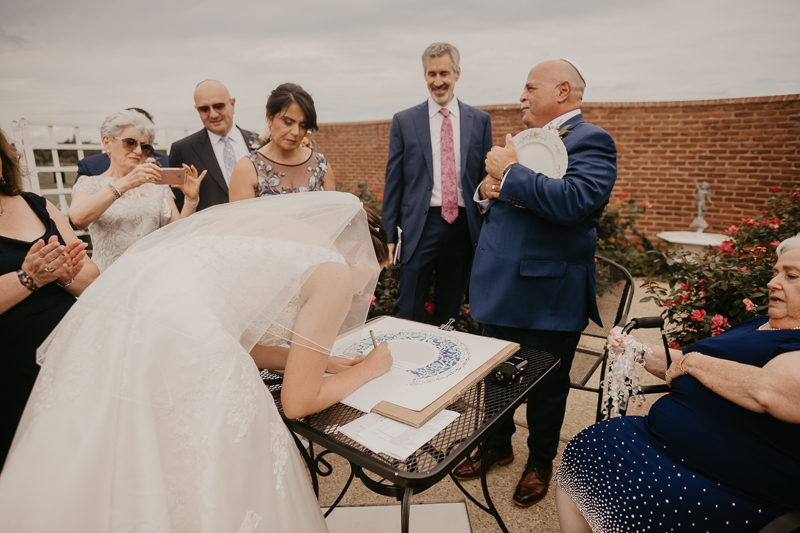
449,187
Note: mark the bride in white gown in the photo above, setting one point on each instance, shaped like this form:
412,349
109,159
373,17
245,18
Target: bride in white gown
149,413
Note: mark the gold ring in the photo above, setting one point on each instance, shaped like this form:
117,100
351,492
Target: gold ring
48,268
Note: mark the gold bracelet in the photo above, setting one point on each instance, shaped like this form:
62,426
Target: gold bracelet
503,173
680,365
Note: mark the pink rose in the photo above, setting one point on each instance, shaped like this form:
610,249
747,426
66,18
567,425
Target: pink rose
698,315
429,308
374,298
750,306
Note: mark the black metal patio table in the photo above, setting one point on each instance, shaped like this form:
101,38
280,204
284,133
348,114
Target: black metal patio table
482,407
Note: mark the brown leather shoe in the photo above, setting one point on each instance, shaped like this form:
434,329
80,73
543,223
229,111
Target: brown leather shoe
533,485
468,470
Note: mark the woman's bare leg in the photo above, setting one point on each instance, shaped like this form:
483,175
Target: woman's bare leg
569,517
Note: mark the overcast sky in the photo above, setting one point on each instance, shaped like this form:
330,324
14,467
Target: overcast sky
81,60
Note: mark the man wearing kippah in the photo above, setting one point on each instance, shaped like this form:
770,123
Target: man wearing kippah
533,274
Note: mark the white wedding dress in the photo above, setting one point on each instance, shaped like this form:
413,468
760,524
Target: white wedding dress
149,413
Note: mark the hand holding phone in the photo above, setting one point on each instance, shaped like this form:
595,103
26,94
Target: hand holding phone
172,176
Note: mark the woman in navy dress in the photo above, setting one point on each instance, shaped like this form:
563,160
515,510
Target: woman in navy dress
43,268
721,453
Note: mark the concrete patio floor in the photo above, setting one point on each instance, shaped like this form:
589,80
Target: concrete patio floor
502,480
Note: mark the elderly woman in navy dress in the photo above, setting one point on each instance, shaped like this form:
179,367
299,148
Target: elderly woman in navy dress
285,164
720,453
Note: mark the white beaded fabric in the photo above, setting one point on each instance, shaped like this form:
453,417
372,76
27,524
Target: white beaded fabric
139,212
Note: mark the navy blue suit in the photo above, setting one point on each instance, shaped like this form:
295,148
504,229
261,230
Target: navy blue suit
533,273
196,150
428,242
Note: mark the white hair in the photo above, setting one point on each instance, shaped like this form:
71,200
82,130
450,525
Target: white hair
115,123
789,244
440,49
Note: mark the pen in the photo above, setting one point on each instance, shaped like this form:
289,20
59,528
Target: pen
374,342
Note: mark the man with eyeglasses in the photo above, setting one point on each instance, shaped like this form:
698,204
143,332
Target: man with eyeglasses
217,147
94,165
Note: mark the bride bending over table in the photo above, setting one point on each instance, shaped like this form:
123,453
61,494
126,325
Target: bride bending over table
149,413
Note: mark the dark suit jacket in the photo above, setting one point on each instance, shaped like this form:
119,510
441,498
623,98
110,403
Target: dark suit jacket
196,150
534,266
409,171
94,165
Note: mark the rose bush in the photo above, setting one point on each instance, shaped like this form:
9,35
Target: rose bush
704,294
619,239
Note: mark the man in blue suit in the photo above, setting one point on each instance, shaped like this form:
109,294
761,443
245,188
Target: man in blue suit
94,165
436,161
533,274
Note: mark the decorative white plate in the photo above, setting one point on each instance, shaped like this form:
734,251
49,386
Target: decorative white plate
542,151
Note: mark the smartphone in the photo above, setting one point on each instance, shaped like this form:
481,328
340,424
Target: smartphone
172,176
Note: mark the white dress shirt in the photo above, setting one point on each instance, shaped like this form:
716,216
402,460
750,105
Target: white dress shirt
554,125
437,119
240,148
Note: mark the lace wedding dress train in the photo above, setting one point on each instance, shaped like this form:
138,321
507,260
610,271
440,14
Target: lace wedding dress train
149,413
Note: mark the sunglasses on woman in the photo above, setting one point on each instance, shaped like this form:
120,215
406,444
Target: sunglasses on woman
131,144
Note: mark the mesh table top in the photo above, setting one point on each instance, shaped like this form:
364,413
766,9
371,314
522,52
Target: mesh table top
481,407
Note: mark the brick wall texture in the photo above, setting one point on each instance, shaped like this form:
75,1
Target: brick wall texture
743,147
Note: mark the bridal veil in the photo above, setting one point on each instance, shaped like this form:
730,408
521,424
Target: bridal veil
148,413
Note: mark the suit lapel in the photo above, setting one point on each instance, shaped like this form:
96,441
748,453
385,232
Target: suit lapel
248,137
572,123
205,152
466,119
422,122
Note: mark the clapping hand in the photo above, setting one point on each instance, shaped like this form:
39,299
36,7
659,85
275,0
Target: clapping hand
75,253
191,189
44,262
499,157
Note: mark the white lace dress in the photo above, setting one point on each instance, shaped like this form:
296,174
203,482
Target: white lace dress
139,212
149,413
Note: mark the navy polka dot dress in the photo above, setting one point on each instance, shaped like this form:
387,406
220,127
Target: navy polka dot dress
697,462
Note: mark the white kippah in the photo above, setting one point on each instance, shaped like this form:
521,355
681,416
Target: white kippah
577,67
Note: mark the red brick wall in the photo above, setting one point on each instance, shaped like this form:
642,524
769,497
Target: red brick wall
743,147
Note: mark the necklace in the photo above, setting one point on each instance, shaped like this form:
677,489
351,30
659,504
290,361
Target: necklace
766,327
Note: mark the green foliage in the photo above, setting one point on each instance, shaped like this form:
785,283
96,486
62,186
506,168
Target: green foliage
707,293
618,238
388,286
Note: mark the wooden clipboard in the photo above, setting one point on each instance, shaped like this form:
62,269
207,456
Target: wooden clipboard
418,418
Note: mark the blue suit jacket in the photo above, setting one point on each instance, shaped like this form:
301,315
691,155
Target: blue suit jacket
409,171
94,165
534,266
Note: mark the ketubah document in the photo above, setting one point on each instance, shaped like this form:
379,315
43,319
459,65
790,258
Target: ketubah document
436,361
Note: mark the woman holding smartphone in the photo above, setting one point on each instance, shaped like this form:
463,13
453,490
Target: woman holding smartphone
126,202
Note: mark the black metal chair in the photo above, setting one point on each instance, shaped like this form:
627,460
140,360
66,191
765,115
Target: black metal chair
614,296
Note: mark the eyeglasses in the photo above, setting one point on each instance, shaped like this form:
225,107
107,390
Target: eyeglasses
131,144
219,106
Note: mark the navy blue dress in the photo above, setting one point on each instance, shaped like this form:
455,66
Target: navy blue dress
24,327
697,462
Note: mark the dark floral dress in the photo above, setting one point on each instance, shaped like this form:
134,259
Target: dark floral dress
277,178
